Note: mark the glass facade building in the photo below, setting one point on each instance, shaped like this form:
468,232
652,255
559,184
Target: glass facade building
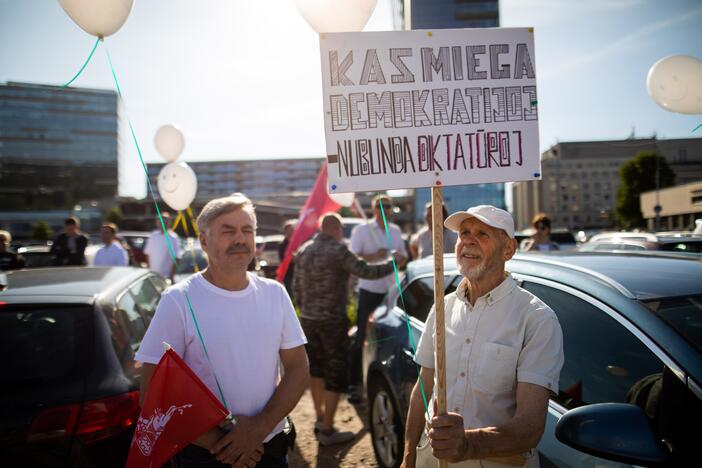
57,146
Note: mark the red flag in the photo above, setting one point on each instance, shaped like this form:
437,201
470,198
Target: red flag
178,408
317,204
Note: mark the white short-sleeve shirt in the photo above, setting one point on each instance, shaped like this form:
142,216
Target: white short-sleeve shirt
509,336
367,239
242,330
159,254
111,255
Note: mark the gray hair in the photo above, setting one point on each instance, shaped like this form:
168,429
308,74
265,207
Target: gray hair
219,206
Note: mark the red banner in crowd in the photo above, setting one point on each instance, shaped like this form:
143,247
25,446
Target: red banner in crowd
178,408
317,204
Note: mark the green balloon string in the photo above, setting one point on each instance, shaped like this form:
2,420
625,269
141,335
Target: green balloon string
85,64
163,224
404,308
697,128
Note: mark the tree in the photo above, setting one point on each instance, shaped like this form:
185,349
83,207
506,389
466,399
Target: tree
41,231
639,175
114,215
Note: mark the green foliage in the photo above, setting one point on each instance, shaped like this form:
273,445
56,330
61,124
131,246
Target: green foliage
114,215
346,212
41,231
637,176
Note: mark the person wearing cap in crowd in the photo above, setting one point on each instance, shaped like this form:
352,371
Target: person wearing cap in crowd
9,260
541,239
422,244
69,246
369,242
504,354
112,253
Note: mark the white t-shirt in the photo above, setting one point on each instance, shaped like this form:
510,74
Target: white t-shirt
508,336
242,330
424,240
367,239
111,255
156,248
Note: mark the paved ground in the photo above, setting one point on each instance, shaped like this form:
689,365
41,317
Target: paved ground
308,452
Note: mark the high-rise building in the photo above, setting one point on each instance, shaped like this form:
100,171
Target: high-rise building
581,179
448,14
257,178
57,146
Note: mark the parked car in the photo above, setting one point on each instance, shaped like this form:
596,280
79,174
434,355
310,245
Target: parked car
136,241
69,383
669,242
37,256
632,328
561,236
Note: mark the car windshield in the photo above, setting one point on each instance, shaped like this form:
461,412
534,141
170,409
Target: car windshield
694,246
683,313
42,344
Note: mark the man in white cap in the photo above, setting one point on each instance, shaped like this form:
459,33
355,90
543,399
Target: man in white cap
504,353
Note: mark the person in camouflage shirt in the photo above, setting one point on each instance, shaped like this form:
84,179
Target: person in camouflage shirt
322,269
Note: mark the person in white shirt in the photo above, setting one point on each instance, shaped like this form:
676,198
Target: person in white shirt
255,345
112,253
370,242
504,354
422,243
157,252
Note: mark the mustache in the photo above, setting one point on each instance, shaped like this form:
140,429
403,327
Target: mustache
238,248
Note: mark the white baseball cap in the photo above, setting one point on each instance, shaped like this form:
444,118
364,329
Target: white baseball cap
490,215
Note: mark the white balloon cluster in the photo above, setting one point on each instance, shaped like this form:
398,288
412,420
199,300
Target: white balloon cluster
675,84
336,15
177,183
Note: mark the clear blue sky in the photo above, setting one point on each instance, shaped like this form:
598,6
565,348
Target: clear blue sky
242,77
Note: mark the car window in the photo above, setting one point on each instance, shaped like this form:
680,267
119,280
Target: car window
42,344
683,246
146,298
604,362
419,296
158,283
130,320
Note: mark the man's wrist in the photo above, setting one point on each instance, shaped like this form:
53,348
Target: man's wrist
468,449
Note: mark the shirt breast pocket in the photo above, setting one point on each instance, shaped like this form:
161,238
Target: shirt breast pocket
497,368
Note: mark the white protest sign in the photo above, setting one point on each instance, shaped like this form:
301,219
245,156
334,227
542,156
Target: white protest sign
408,109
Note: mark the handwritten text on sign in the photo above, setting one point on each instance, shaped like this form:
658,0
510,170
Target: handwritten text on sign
408,109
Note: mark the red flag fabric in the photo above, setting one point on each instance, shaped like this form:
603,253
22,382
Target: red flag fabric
178,408
317,204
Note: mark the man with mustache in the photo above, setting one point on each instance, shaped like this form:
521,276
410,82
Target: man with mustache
504,354
250,331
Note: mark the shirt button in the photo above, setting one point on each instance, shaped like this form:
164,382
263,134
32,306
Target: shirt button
467,340
463,374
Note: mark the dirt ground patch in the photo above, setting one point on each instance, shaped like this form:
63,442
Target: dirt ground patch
309,453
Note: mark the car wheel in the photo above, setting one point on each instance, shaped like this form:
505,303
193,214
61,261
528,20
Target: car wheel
385,425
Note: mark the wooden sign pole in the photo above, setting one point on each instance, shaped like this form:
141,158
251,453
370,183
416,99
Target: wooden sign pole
437,221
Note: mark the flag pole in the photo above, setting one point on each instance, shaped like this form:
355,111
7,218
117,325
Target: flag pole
437,220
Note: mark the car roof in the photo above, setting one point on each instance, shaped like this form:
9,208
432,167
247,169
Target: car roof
637,275
72,284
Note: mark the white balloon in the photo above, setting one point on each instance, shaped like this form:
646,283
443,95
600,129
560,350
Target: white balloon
343,199
169,142
675,84
100,18
336,15
177,185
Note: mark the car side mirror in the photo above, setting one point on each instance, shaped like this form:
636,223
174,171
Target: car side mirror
614,431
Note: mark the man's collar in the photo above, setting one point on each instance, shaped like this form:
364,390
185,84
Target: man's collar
497,293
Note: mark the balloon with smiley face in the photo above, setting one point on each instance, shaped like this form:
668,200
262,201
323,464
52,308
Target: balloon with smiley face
177,185
675,84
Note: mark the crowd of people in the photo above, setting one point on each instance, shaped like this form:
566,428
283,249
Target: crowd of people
250,343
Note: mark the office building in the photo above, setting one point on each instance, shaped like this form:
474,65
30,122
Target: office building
581,179
58,146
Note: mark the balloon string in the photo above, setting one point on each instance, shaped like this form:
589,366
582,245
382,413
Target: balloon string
697,128
85,64
404,308
163,225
